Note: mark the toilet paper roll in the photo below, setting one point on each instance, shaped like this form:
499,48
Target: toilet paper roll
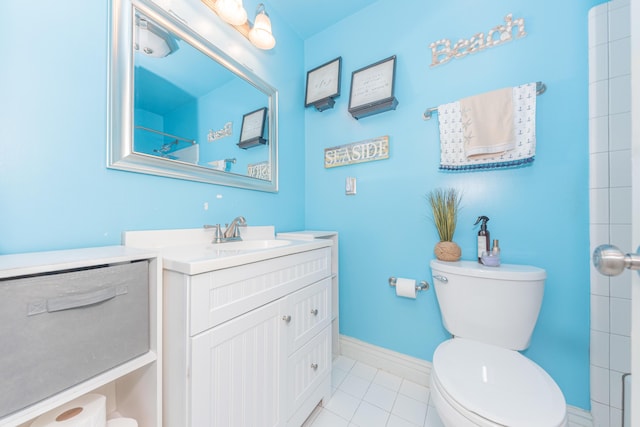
122,422
89,410
406,288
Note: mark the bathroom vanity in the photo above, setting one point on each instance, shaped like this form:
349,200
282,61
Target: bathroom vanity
247,327
335,301
80,321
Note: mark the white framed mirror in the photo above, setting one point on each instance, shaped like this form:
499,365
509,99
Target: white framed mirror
177,102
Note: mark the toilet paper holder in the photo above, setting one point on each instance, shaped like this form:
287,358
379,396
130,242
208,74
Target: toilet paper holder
423,286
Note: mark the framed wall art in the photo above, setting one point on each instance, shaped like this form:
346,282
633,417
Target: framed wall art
323,85
372,89
252,131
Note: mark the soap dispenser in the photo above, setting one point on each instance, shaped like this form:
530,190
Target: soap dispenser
484,244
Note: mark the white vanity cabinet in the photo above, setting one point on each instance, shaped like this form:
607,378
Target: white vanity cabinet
333,237
248,345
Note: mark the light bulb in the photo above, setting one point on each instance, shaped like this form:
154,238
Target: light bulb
232,11
260,35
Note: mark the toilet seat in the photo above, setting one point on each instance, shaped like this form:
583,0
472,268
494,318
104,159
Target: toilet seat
500,386
450,412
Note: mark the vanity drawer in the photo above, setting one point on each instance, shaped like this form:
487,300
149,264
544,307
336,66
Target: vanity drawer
60,329
308,367
220,295
310,311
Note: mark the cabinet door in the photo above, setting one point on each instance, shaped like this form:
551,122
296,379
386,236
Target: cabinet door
308,368
238,372
310,311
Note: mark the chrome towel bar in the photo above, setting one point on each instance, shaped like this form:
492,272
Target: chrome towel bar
540,89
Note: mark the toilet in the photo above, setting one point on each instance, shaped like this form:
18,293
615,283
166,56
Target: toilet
479,378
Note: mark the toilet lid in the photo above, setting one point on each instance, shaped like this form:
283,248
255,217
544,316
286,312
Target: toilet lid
498,384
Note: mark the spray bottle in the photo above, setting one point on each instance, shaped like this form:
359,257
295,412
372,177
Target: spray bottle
484,244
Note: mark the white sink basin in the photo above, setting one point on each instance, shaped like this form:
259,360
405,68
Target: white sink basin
250,245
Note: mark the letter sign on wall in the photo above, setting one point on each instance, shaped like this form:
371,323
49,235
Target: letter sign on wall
357,152
442,51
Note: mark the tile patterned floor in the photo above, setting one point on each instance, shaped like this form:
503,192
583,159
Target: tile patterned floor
364,396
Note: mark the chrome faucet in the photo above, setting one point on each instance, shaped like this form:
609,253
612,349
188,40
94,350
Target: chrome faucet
231,231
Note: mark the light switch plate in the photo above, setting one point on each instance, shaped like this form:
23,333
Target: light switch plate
350,186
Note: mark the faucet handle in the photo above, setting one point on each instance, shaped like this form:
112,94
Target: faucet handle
217,233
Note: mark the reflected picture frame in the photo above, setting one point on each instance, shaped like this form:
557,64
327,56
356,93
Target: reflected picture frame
252,131
372,88
323,85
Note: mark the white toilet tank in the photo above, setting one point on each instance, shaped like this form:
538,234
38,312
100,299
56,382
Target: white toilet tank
494,305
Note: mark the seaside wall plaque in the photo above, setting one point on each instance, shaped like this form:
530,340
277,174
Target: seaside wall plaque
358,152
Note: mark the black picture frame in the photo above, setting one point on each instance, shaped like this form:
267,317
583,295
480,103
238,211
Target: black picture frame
252,131
323,85
372,89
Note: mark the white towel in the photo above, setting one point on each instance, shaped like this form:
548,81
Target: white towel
452,147
218,165
487,123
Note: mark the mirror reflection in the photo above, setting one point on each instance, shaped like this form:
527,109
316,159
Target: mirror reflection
181,107
189,108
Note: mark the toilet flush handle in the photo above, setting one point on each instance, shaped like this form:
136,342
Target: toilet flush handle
440,278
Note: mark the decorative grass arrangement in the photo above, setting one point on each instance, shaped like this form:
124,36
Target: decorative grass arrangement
445,204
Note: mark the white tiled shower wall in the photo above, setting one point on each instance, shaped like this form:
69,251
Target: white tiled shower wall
610,203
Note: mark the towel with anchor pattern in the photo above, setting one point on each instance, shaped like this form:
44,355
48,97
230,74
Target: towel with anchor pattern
452,135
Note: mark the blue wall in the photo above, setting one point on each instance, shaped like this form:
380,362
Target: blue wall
539,213
55,191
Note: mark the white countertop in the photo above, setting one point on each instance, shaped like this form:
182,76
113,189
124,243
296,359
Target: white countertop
197,259
190,251
42,262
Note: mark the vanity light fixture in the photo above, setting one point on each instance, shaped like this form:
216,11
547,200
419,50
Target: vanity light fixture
232,12
259,33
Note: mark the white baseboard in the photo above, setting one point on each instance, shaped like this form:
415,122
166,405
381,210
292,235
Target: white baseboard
419,370
579,417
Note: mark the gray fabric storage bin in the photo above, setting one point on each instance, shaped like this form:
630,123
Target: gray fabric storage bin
59,329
